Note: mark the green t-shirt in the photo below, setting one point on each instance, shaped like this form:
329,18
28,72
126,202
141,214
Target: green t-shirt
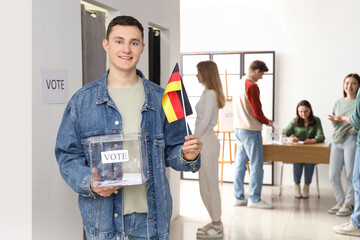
303,133
343,107
129,102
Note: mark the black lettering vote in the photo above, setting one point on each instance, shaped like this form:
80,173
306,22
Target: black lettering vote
116,156
55,84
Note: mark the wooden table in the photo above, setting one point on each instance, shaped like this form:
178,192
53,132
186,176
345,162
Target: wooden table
298,153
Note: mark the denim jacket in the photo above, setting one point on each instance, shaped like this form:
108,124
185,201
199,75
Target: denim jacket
91,112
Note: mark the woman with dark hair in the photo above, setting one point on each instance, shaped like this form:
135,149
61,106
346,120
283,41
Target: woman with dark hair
352,227
307,128
207,110
343,147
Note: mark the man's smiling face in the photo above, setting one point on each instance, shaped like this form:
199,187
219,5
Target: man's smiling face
124,47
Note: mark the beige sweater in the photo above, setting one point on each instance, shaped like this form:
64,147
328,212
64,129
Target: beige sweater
207,112
247,108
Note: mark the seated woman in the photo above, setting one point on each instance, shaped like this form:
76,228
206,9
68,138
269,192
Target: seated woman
307,128
343,147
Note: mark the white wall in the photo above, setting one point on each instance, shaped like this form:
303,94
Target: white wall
56,44
316,44
15,121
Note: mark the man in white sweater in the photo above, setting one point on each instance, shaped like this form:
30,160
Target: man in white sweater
248,121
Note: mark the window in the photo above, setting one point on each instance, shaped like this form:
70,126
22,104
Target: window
232,66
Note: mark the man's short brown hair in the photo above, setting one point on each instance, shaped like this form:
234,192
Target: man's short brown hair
124,21
257,64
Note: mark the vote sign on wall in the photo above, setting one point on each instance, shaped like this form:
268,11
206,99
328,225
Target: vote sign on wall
54,85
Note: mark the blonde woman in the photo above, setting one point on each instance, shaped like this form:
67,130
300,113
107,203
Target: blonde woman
207,109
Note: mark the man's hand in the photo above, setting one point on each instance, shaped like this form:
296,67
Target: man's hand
192,147
271,124
104,192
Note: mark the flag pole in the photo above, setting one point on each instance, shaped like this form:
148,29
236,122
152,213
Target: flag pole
182,98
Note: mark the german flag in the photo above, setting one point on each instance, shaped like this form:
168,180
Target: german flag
172,100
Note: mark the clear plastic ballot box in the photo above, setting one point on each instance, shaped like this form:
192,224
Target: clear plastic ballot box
118,160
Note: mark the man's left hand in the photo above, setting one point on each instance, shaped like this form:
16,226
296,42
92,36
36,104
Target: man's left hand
192,147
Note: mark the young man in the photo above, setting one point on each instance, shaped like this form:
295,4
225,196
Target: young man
123,101
248,121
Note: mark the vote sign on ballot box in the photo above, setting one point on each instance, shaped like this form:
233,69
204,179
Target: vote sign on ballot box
118,160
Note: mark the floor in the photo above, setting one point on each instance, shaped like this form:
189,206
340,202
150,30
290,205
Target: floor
291,218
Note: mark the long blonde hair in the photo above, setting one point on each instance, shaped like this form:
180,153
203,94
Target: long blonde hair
211,80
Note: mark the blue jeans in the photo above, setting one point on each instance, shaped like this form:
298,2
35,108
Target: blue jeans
309,171
135,226
355,216
342,156
249,146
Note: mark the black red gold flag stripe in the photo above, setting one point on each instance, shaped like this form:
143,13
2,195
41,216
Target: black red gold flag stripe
172,100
